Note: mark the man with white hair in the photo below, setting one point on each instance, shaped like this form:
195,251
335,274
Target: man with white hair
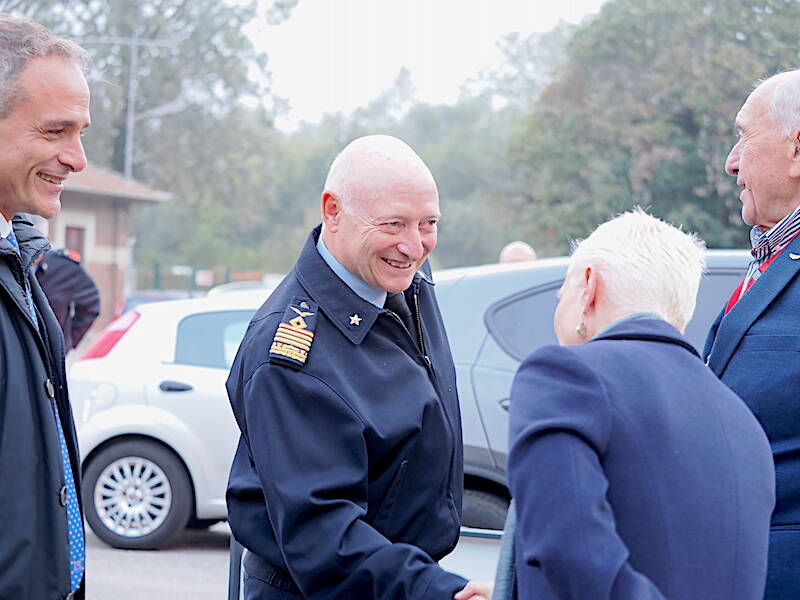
753,345
348,477
636,474
44,108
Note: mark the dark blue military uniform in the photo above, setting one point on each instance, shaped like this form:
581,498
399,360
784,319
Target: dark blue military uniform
72,294
348,477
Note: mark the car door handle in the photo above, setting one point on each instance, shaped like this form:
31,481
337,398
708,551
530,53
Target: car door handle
504,404
174,386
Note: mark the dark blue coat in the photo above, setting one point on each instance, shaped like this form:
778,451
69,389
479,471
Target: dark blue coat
34,546
755,350
637,474
349,471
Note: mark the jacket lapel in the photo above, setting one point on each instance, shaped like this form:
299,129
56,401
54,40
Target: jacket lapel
735,324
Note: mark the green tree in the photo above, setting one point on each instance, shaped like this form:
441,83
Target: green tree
194,135
641,112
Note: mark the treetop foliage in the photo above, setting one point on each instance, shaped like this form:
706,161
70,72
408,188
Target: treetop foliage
635,106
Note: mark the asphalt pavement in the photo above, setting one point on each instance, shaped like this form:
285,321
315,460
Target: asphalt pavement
195,567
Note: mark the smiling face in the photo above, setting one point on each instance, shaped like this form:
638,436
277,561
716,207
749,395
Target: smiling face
42,137
386,226
763,162
385,239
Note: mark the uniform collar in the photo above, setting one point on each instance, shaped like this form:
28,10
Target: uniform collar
352,314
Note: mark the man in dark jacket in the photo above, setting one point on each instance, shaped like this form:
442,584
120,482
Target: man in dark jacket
44,106
72,294
348,477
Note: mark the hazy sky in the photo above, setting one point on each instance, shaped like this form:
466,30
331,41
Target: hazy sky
336,55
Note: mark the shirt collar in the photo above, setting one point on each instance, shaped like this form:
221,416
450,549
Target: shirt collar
358,285
5,227
766,243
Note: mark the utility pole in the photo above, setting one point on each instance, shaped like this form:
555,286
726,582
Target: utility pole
133,82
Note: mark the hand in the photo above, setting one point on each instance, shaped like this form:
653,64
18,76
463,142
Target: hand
476,590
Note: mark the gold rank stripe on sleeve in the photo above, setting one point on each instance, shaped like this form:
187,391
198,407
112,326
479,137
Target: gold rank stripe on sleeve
288,351
295,340
295,334
309,335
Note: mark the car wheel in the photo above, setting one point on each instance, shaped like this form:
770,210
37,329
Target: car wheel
136,495
484,510
202,523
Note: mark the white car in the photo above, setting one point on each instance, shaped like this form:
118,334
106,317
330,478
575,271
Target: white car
156,431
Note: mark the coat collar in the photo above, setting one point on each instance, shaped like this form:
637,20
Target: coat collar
31,242
735,324
353,315
649,330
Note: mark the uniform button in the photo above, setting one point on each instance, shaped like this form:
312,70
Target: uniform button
48,387
62,495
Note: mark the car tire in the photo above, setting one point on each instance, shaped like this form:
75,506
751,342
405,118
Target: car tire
483,510
202,523
136,495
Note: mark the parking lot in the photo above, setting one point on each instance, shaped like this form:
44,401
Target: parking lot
194,568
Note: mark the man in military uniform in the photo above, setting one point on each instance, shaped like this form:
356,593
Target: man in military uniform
348,477
72,294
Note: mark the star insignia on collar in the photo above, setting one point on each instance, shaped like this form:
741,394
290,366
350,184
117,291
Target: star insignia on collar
355,320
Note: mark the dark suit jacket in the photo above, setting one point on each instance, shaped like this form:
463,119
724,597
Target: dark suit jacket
755,350
636,473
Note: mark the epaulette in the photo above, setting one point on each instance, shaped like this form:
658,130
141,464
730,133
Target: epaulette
73,255
295,334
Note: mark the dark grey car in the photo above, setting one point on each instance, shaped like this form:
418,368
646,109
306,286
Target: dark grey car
497,314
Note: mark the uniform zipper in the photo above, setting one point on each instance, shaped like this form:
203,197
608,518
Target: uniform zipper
419,328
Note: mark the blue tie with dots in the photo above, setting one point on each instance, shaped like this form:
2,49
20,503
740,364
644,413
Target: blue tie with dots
74,519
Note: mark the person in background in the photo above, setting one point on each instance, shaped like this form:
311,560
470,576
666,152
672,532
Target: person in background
348,477
44,108
752,346
71,292
517,251
635,472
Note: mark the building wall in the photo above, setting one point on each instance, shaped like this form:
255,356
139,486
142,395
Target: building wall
106,253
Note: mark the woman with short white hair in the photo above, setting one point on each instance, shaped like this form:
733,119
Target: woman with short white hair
635,472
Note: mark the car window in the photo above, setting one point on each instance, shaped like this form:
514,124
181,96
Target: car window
211,339
715,289
524,321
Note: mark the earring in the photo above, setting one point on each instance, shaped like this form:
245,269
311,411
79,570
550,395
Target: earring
581,329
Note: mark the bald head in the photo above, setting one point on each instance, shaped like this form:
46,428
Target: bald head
380,209
375,165
517,251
